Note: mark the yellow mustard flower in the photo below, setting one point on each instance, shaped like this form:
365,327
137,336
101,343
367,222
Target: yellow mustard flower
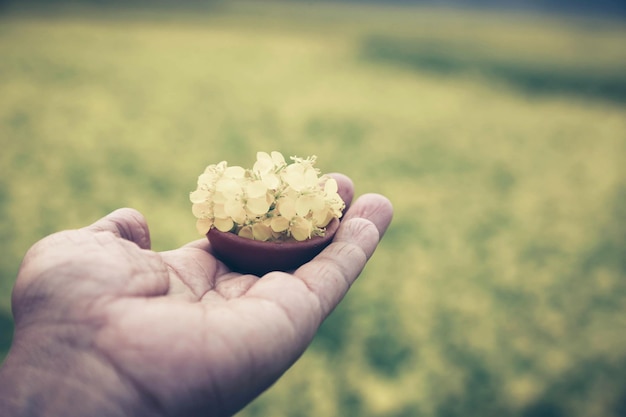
272,201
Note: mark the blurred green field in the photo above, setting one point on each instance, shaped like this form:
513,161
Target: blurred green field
500,289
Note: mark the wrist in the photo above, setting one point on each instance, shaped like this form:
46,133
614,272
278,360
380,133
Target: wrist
53,377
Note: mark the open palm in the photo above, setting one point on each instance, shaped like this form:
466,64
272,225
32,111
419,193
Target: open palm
114,328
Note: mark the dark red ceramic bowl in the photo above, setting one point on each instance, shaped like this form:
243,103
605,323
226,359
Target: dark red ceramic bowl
255,257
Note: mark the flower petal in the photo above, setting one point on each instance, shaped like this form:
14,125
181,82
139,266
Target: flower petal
258,206
263,164
246,232
235,209
261,232
310,178
234,172
301,229
202,210
278,158
271,181
331,187
228,187
199,196
224,225
204,225
279,224
293,175
256,189
287,208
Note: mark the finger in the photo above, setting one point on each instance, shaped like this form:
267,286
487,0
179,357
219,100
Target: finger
329,275
199,244
332,272
125,223
375,208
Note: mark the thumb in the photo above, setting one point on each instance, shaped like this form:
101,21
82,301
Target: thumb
126,223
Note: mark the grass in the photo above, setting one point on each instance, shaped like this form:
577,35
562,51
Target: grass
500,139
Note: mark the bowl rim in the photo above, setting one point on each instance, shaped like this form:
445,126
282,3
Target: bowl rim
330,231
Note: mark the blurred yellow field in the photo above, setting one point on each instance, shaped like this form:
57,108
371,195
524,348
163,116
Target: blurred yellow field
500,139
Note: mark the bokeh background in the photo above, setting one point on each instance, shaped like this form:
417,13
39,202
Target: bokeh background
497,129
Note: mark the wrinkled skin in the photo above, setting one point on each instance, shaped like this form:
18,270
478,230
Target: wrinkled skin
107,327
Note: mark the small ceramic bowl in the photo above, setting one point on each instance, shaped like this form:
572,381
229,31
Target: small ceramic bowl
255,257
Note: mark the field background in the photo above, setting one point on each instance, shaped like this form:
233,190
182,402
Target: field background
500,138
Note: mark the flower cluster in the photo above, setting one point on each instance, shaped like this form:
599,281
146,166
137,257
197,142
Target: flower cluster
273,201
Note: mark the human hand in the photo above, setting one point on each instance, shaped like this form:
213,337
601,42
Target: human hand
106,327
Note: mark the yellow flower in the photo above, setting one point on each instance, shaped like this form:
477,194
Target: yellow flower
272,201
267,167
